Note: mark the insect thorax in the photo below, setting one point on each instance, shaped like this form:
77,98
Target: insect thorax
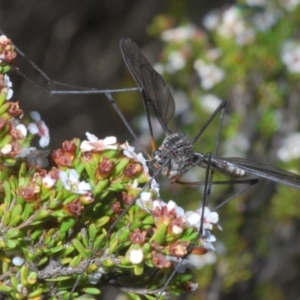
176,153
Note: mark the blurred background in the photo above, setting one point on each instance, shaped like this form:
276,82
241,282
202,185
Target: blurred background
247,53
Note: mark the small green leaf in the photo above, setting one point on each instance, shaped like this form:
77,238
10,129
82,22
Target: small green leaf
102,221
91,290
81,249
75,261
37,292
138,269
13,233
67,223
101,185
92,232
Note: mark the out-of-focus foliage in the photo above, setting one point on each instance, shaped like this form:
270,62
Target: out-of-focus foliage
249,55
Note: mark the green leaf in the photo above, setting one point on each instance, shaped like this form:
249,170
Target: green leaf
91,290
67,223
12,233
81,248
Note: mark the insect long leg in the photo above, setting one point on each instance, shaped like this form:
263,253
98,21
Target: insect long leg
206,194
72,89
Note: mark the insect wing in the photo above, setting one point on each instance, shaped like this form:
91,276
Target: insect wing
155,89
263,170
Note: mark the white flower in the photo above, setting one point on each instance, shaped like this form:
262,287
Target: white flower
35,157
18,261
180,264
289,5
94,143
210,102
256,2
71,182
6,149
236,146
8,85
39,127
290,56
154,186
176,61
211,20
245,37
129,152
199,261
180,33
136,256
290,147
232,23
208,73
267,19
22,129
194,218
213,54
145,201
209,218
48,181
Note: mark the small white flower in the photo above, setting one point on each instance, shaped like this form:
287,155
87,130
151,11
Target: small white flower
290,56
18,261
193,219
289,5
180,264
22,129
209,218
267,19
232,23
256,2
213,54
8,85
129,152
245,37
211,20
199,261
35,157
290,148
208,73
176,229
6,149
236,146
94,143
95,277
71,182
210,102
136,256
154,186
48,181
39,127
145,201
180,33
176,61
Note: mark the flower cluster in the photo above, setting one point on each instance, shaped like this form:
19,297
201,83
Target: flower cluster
69,217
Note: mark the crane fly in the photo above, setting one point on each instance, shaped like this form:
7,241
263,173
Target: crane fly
176,151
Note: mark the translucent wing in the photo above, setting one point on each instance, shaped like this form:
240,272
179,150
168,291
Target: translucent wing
262,170
156,92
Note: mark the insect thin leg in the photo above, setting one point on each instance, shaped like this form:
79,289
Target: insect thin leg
251,183
111,228
200,232
220,107
117,109
75,89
